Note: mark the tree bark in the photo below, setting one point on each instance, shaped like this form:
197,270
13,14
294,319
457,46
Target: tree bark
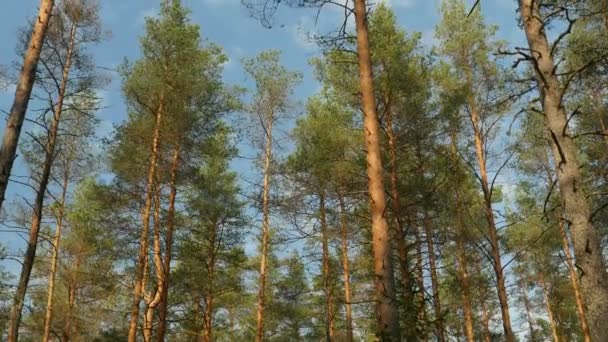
207,334
48,317
265,234
10,139
346,270
327,287
163,305
143,242
386,307
587,249
72,286
30,254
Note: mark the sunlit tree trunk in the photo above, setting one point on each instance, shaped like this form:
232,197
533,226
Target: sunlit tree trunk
386,308
587,249
527,307
265,234
154,298
48,317
163,305
143,242
346,270
12,130
327,286
30,254
72,287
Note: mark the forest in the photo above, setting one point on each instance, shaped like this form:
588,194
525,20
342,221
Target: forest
450,188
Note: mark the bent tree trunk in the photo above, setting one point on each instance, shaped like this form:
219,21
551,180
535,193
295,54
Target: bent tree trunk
30,253
386,307
587,249
10,139
143,242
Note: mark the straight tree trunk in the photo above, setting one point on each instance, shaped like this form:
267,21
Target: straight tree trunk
265,235
207,335
48,317
420,279
163,305
10,139
143,242
485,317
386,307
72,286
524,294
463,273
434,280
587,249
346,270
489,213
30,254
543,284
329,305
399,233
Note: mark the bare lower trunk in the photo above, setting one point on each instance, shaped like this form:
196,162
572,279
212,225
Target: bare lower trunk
48,317
207,335
587,249
143,242
387,313
552,322
485,316
346,270
12,130
30,254
327,287
265,236
163,305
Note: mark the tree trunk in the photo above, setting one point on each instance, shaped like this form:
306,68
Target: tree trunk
72,286
463,273
207,334
489,213
153,299
399,232
14,124
48,317
163,305
485,317
587,249
386,307
265,235
30,254
554,333
143,242
578,298
327,287
434,280
524,294
420,280
346,270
